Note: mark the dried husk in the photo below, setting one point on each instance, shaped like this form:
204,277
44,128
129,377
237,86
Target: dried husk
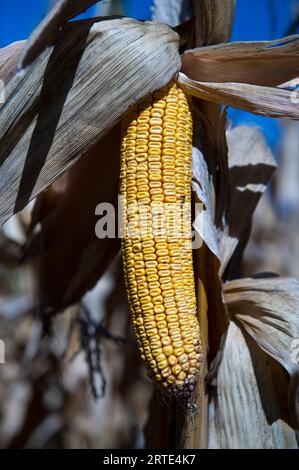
71,258
8,60
245,75
260,100
46,33
267,309
248,403
172,12
255,404
53,115
263,63
251,165
198,22
202,186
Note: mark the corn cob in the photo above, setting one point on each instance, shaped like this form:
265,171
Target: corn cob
155,185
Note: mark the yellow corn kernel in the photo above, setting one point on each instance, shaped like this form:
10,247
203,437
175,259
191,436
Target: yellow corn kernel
155,182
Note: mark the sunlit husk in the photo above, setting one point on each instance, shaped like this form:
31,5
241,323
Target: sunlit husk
44,35
247,408
54,114
71,256
8,60
263,63
251,165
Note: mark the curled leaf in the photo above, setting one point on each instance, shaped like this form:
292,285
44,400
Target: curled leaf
8,60
261,100
210,283
251,165
45,34
201,185
267,309
54,114
265,63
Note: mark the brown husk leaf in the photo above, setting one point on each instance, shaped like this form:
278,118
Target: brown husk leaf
54,114
46,33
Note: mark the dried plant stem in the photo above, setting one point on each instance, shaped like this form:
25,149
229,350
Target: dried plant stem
214,20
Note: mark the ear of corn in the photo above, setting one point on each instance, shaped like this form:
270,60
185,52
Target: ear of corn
155,185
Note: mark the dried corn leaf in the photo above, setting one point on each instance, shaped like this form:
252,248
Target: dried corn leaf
261,100
251,165
44,36
210,141
248,406
54,114
8,60
270,63
267,309
209,277
202,186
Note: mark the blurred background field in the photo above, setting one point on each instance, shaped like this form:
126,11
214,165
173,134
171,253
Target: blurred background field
45,395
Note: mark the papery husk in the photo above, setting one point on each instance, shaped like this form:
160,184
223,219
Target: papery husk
260,100
54,114
47,31
267,309
248,406
202,185
263,63
8,60
208,275
251,165
71,258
